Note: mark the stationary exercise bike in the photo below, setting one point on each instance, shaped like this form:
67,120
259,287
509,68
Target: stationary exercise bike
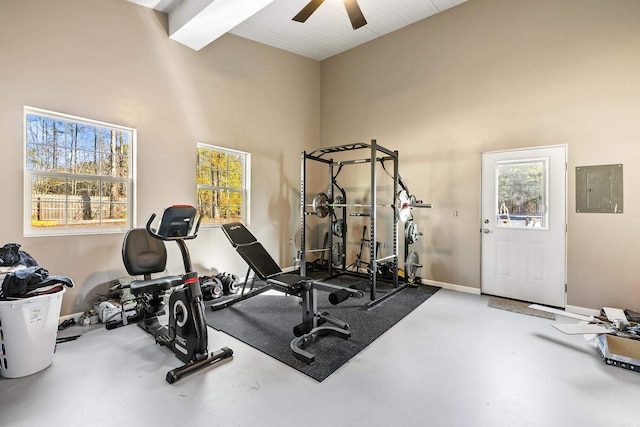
144,253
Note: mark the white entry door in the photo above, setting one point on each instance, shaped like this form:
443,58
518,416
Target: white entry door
524,224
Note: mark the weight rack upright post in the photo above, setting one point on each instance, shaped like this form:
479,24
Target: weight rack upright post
303,220
373,262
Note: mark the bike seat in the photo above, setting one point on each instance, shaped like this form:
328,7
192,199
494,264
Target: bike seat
160,284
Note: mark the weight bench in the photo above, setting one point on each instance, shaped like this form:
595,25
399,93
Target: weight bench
314,324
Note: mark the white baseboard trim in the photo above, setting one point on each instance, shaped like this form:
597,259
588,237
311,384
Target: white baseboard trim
444,285
453,287
74,316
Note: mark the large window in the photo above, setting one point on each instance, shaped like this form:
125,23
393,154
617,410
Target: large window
223,178
78,175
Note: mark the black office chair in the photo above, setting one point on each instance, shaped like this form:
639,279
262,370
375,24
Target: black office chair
314,323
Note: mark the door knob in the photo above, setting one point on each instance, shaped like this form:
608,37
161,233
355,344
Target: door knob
485,230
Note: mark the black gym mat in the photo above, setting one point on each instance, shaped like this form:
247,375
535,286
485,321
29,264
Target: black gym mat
265,322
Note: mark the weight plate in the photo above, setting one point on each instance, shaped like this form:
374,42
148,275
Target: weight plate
234,284
211,288
336,254
403,206
339,227
411,233
321,205
413,264
218,289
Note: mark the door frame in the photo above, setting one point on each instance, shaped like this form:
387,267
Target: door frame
566,207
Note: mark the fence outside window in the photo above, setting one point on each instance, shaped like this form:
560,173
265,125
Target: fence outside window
78,174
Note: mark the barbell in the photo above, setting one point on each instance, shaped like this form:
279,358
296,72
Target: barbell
403,203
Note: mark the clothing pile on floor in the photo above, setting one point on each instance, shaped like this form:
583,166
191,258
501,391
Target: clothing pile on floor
22,277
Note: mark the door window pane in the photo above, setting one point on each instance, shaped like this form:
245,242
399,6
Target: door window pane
522,194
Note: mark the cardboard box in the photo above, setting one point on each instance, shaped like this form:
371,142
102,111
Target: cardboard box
618,351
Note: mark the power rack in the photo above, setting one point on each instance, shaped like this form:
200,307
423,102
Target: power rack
376,154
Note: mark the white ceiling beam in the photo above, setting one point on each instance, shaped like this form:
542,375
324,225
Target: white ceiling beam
196,23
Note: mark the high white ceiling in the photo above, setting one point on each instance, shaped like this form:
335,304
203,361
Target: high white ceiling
327,32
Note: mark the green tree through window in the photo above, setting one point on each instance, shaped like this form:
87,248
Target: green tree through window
222,184
522,193
79,173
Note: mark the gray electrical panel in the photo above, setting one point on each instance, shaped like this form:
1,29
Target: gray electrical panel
599,189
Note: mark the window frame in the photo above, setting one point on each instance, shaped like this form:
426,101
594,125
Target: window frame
245,190
29,174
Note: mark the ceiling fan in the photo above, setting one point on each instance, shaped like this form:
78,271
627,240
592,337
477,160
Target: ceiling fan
353,10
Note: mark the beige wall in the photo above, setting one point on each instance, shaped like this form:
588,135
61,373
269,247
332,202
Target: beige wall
112,61
500,74
487,75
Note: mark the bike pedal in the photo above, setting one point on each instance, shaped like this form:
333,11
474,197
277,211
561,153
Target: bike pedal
163,340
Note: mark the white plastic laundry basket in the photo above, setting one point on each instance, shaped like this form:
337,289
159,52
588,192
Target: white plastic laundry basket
28,331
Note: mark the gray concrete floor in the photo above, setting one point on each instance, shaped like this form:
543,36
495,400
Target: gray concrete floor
452,362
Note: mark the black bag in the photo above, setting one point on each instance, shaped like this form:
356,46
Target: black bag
11,255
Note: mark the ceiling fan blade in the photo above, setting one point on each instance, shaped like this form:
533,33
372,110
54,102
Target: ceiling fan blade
355,14
306,11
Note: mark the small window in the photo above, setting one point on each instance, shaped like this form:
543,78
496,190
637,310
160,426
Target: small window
223,177
522,193
78,175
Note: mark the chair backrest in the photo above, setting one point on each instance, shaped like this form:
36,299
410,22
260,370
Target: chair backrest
142,254
238,234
